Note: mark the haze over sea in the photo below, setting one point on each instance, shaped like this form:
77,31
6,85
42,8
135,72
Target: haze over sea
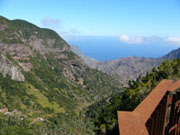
103,48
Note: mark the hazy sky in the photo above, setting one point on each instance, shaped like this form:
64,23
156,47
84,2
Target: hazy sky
148,24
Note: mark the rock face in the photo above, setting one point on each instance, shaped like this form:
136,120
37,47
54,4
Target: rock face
7,68
131,68
172,55
125,69
20,40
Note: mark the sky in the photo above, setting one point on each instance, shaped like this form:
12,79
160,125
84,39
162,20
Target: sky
132,22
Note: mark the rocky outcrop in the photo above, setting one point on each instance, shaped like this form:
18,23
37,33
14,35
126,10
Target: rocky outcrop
8,68
175,54
130,68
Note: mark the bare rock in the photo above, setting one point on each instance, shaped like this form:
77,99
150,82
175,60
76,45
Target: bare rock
8,68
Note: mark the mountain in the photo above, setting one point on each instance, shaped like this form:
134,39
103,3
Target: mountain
122,69
172,55
130,68
44,87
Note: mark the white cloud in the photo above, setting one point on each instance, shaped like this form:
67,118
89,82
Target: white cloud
131,40
57,25
74,31
173,40
51,23
69,35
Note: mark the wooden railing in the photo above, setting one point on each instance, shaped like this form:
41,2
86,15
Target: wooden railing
158,114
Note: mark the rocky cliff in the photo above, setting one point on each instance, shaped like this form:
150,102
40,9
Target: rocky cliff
8,68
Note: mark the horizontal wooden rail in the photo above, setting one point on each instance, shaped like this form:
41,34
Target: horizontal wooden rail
157,114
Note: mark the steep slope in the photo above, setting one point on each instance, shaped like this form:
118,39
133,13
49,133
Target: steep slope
44,86
175,54
8,68
131,68
125,69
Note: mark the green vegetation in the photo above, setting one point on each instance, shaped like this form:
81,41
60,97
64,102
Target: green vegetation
57,89
104,113
46,93
60,94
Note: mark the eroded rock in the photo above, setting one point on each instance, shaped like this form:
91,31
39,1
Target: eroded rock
8,68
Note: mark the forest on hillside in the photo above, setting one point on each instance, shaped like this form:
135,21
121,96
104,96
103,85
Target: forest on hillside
104,113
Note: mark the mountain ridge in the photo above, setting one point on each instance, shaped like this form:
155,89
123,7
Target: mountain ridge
129,68
174,54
